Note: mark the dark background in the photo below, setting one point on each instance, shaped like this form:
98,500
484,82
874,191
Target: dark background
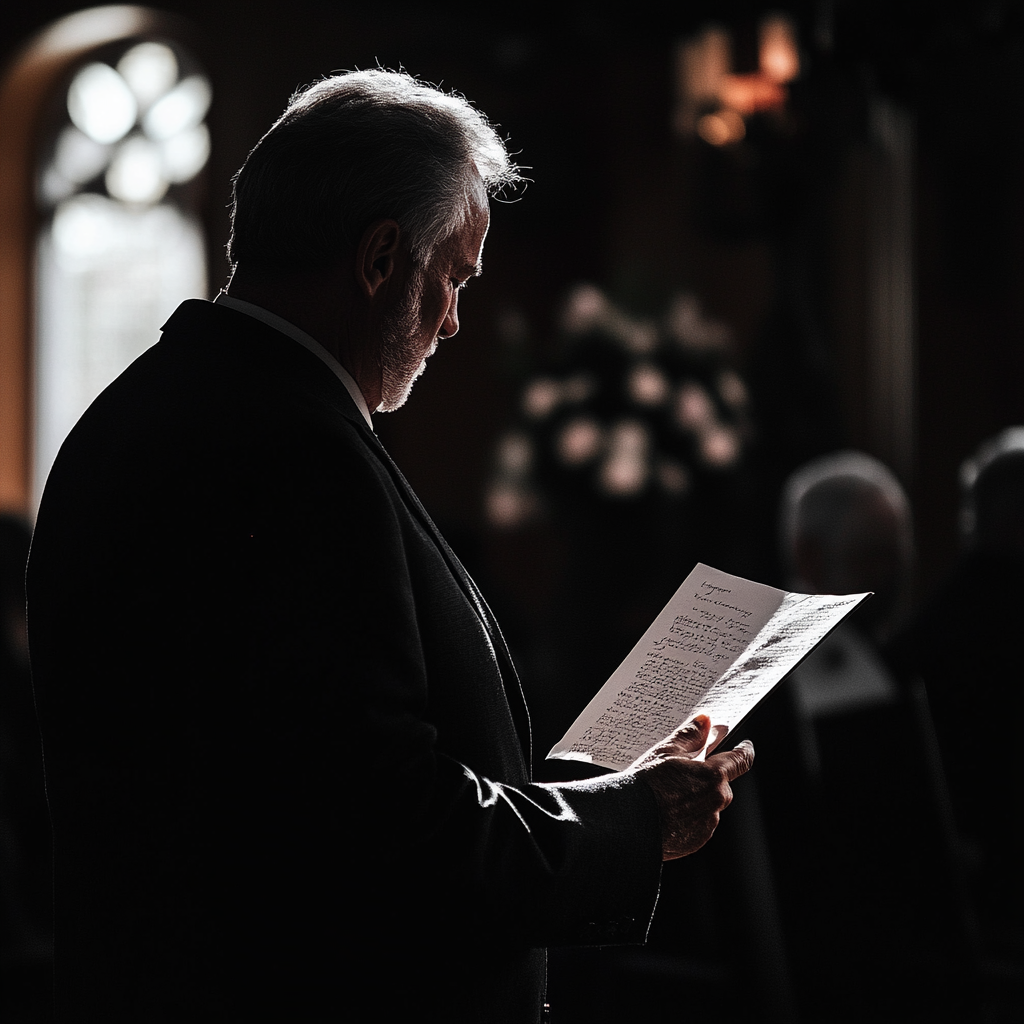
770,235
585,99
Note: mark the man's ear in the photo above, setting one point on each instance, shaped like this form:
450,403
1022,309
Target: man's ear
376,256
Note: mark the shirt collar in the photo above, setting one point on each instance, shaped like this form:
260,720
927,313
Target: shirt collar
306,341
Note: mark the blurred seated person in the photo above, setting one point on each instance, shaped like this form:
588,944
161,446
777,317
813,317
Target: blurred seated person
964,645
861,869
845,528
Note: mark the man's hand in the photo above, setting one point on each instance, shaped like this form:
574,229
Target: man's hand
691,794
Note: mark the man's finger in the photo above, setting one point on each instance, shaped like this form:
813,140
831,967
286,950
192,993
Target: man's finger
693,735
735,762
688,741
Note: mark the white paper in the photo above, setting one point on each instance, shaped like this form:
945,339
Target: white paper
717,648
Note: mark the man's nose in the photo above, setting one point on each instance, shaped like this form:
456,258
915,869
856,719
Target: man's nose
450,327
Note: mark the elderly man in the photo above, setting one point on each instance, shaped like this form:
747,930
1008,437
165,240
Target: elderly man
287,751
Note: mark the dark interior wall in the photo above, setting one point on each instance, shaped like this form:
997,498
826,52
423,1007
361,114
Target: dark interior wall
586,100
970,259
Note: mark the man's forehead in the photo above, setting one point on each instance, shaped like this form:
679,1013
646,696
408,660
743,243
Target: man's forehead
467,243
462,255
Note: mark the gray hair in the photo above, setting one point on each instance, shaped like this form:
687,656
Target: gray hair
825,498
356,148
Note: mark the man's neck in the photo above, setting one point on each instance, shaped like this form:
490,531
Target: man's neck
318,303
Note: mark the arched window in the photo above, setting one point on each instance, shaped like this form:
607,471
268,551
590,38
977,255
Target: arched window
113,143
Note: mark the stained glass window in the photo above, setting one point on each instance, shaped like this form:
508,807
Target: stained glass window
120,244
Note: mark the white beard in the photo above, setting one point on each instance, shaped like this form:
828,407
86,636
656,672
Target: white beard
400,359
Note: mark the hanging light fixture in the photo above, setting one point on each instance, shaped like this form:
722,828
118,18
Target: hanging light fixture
714,102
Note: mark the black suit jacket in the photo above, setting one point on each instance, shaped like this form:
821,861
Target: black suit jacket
286,748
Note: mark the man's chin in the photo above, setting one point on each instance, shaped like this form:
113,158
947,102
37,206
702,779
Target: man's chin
396,394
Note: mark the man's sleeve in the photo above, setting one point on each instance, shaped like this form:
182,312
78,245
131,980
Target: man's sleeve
378,680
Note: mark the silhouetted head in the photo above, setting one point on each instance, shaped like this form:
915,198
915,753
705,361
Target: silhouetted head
992,492
845,528
357,148
360,215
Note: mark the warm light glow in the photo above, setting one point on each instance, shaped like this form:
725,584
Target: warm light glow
704,62
182,108
707,87
779,59
747,94
701,64
101,104
136,172
721,128
95,26
150,69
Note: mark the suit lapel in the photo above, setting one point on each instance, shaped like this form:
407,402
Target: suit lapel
513,688
199,318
